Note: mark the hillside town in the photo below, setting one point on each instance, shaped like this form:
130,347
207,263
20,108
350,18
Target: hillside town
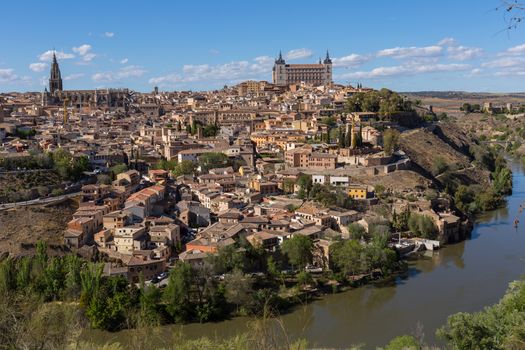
181,175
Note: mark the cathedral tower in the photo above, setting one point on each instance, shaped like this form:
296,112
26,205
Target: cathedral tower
55,79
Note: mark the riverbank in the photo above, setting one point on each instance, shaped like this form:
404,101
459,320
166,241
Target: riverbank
466,276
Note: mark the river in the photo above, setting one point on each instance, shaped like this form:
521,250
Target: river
466,276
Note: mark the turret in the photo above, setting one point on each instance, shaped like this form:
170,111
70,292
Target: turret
327,60
280,60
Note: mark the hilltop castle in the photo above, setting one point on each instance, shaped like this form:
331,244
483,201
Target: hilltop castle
315,74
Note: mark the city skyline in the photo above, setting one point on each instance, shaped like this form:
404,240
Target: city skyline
397,46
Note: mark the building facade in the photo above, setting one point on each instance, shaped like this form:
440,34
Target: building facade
316,74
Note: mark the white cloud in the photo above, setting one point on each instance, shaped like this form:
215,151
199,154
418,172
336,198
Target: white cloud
463,53
61,55
82,49
352,60
124,61
122,73
38,67
7,75
505,62
109,34
447,42
298,53
74,76
413,51
214,51
513,72
232,72
516,50
405,70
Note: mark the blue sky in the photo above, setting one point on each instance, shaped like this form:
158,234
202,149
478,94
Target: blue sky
404,45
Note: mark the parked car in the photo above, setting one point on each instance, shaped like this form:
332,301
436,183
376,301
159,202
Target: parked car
162,275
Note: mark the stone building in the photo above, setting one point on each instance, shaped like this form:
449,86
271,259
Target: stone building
315,74
109,98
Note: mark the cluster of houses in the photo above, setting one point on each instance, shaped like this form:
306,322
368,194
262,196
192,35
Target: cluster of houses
144,218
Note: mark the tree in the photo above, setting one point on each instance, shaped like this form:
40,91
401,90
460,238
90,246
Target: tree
400,221
341,138
227,259
304,278
346,256
390,141
177,292
298,249
288,185
149,301
305,185
210,130
212,160
357,231
238,288
119,168
422,225
186,167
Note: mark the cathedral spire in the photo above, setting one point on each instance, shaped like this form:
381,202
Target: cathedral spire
55,78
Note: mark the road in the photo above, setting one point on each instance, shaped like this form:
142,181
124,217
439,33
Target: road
39,201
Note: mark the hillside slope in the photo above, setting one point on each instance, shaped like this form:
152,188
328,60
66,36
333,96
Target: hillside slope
444,143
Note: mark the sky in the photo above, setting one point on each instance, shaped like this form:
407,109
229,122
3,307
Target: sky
408,45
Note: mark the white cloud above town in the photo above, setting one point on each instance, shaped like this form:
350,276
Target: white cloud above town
515,50
109,34
84,51
8,75
257,68
405,70
463,53
298,54
353,60
447,55
61,55
38,66
119,75
413,51
74,76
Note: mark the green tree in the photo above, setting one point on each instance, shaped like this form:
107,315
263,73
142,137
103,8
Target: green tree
298,249
422,225
346,256
390,141
119,168
356,231
305,185
212,160
186,167
177,292
288,186
238,288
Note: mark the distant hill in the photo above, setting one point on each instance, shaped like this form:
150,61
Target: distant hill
463,95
